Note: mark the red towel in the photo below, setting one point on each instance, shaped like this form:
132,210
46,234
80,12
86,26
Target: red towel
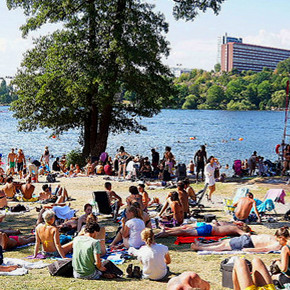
188,240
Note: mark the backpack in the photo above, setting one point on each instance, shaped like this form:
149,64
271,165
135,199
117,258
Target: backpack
50,178
61,268
18,208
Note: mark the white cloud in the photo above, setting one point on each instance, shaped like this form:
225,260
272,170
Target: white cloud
3,44
266,38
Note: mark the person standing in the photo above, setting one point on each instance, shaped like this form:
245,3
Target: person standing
211,166
200,159
252,162
20,162
155,158
45,156
169,159
122,158
12,157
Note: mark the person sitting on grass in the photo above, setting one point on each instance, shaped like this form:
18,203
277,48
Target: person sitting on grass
145,196
82,219
282,235
131,229
154,257
260,278
48,235
114,199
187,280
134,197
101,235
10,242
9,188
27,191
3,200
87,254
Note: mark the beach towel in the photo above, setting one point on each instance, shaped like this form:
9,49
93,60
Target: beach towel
277,195
234,252
267,205
24,266
63,212
189,240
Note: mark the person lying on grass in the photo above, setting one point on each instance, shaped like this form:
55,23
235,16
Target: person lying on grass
10,242
48,235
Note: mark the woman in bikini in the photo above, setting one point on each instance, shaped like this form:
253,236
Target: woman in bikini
122,158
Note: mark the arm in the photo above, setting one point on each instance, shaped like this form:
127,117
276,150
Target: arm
167,258
164,208
256,211
272,247
37,243
57,244
99,263
80,223
116,196
126,232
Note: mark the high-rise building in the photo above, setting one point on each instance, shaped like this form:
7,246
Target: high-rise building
242,56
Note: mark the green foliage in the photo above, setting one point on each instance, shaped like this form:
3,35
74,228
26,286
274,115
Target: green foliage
217,67
75,157
7,94
191,102
215,96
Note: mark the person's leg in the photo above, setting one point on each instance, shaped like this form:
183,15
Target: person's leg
26,240
11,232
124,170
40,219
126,243
241,275
7,243
117,239
219,246
67,248
261,276
178,231
211,191
191,279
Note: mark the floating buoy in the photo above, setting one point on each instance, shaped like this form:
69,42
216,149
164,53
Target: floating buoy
192,138
241,139
277,149
53,136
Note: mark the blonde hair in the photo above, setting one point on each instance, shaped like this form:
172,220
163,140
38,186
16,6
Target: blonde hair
147,236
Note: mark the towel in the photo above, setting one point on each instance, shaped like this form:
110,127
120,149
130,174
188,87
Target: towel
234,252
63,212
188,240
277,195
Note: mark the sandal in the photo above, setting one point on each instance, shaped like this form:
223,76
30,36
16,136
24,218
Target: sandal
137,273
129,271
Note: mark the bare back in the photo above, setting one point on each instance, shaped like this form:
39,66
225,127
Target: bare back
47,235
266,241
27,190
183,197
244,208
9,190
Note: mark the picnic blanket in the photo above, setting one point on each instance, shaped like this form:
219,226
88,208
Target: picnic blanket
234,252
190,239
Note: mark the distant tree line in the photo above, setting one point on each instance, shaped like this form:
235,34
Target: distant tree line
7,94
246,90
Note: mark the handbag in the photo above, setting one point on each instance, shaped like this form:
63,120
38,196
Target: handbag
61,268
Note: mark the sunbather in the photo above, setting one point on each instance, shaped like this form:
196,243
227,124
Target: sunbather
82,219
246,243
205,230
9,242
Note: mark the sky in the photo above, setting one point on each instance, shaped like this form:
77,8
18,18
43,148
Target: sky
193,44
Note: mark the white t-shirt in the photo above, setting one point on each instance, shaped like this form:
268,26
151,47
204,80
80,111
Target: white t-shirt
152,258
136,226
209,174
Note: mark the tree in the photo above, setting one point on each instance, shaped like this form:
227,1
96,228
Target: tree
217,67
74,77
215,95
191,102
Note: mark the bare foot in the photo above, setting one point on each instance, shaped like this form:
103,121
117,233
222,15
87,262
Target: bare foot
194,246
3,240
2,217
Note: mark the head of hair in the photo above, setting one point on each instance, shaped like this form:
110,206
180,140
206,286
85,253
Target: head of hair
133,189
152,150
210,157
147,236
91,226
180,184
48,215
202,147
28,179
108,185
87,205
141,185
246,228
250,195
122,149
186,181
91,217
44,187
174,196
9,179
283,232
167,148
136,211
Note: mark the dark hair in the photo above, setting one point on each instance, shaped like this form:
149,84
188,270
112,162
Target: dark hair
142,185
44,187
186,181
167,148
9,179
210,157
174,196
250,194
283,232
153,150
180,184
92,226
108,184
133,189
122,149
202,147
87,205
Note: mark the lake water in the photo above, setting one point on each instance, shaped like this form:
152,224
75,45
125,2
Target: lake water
220,130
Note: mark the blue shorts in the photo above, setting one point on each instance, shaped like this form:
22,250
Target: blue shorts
251,218
204,231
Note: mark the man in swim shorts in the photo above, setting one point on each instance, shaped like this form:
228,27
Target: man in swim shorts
200,159
11,160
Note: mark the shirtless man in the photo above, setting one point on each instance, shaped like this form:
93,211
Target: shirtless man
145,196
189,190
244,207
82,219
9,188
176,208
9,242
27,189
187,280
205,230
246,243
48,235
114,198
20,162
11,160
183,197
3,199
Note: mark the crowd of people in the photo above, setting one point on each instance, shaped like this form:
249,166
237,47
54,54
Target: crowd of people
135,232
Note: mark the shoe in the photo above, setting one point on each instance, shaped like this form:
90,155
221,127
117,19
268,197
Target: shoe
137,273
129,271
